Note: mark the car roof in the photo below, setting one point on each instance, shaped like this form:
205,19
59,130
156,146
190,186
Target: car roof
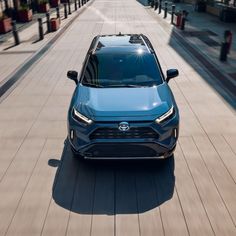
121,43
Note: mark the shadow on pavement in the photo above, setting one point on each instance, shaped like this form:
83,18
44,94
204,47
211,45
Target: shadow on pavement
213,75
111,187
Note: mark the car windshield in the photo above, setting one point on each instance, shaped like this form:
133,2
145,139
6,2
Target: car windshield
122,70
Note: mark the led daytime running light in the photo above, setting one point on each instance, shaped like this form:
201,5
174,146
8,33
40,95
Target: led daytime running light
166,115
82,117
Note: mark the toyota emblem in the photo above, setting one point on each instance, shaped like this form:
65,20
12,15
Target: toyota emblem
123,126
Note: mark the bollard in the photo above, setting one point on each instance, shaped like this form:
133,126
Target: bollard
155,5
75,5
58,12
69,8
172,14
15,33
224,51
48,22
41,35
65,11
79,4
152,3
160,7
165,10
183,19
82,2
182,25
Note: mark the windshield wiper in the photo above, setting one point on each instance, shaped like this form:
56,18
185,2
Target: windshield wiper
134,86
124,86
93,85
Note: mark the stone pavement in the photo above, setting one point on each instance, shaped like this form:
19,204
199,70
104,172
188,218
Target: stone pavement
13,57
44,191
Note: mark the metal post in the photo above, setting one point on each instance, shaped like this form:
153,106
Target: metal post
160,6
15,33
48,22
165,12
75,5
65,11
152,3
79,4
156,5
182,26
82,2
58,12
41,35
223,51
172,14
69,8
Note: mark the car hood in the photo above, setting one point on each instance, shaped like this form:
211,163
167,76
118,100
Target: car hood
143,103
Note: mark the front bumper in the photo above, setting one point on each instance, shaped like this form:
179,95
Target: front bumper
84,143
124,151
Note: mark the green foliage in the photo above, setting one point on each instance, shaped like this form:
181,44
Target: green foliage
24,7
43,1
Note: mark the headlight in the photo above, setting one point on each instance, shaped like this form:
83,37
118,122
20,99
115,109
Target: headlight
165,116
81,117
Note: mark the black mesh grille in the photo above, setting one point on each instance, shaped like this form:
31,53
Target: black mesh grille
115,133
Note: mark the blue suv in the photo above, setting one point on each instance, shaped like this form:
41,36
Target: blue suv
122,107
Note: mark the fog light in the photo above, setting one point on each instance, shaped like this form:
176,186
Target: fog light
71,134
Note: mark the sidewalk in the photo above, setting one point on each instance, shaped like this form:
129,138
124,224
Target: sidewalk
202,38
207,32
12,58
23,26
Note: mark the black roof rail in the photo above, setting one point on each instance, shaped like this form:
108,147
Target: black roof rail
148,43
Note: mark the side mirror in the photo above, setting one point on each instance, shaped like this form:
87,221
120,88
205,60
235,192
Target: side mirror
73,75
171,73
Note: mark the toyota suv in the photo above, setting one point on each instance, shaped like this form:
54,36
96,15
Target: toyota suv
122,106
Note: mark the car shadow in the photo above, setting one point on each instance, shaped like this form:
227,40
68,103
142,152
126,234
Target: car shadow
111,187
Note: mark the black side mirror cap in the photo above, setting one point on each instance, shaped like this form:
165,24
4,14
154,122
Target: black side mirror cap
73,75
171,73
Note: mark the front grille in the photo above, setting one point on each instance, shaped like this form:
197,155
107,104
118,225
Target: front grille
132,133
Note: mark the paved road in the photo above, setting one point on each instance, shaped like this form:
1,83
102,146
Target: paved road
43,191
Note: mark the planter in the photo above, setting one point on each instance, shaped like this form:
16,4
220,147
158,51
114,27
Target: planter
55,24
43,7
25,15
177,19
5,25
55,3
